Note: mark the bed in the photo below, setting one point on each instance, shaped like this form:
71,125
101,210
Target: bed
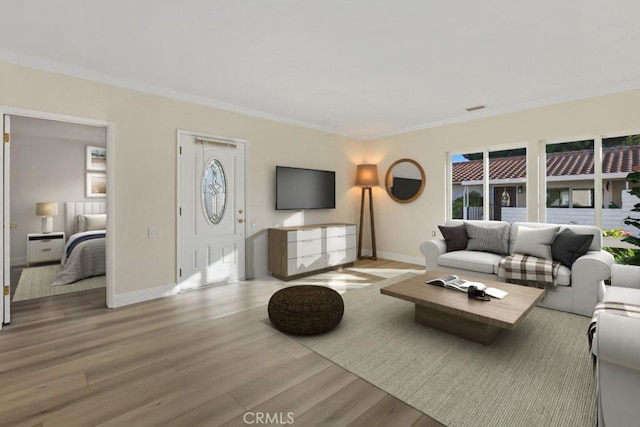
85,250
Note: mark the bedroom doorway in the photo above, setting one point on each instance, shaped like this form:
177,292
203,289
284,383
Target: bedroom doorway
44,175
211,210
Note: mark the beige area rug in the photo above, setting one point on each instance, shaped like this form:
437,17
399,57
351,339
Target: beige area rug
35,282
538,375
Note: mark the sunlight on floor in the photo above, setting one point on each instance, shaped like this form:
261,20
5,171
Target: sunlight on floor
387,273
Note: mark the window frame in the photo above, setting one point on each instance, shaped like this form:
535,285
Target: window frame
486,190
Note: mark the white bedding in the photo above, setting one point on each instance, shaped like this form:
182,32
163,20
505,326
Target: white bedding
86,259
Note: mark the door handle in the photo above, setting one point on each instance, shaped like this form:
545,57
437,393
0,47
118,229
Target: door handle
13,226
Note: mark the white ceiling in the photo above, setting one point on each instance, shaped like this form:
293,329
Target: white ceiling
363,68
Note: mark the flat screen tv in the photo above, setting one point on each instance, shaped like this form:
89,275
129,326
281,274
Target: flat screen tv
298,188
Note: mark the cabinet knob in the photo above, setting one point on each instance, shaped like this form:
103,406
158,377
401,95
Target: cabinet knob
241,220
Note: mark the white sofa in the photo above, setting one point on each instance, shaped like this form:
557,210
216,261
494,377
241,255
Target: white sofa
617,346
578,290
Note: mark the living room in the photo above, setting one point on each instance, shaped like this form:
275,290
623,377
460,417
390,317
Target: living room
143,157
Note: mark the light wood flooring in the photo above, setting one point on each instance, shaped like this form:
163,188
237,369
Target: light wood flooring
198,358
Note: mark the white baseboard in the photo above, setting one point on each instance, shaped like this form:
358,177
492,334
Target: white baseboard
120,300
418,260
19,261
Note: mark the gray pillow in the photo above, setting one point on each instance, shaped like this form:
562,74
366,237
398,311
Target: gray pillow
488,238
535,241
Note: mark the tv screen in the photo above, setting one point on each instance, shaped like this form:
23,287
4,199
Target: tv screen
305,189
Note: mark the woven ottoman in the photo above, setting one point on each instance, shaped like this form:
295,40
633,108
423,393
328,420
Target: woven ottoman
305,310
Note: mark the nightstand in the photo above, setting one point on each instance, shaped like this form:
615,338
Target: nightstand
45,247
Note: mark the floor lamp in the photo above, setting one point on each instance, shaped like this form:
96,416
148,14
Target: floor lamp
367,177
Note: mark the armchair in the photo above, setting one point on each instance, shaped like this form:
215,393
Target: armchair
617,346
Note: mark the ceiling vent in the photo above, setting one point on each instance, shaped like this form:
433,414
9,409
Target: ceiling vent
477,107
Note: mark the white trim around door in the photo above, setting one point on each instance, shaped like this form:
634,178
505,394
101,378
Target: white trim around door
214,263
111,220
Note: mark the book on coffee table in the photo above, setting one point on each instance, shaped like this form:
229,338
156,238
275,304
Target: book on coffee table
462,285
456,283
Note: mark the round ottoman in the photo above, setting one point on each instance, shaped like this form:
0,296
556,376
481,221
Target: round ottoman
305,310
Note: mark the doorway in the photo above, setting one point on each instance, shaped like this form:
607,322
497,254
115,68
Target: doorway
40,178
211,210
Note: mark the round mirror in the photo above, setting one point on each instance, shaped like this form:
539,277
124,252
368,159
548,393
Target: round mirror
404,180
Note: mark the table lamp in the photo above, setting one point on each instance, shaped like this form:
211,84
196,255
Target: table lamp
46,211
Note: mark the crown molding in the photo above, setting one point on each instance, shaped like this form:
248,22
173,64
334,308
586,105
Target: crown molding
95,76
92,75
608,90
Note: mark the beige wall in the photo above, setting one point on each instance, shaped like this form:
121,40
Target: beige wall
145,163
404,226
144,159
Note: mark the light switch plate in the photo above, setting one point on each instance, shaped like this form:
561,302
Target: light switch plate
154,232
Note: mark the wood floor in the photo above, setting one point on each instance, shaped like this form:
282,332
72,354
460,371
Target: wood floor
204,357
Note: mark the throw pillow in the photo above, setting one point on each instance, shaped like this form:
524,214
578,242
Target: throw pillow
535,241
488,238
569,246
92,222
455,237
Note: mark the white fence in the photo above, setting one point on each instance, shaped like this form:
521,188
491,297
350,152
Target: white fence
611,218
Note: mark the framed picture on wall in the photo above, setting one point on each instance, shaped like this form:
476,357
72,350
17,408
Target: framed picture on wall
96,158
96,184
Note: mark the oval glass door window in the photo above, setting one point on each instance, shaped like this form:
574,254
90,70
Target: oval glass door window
214,192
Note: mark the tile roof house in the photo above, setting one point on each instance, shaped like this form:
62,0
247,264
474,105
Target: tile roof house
617,162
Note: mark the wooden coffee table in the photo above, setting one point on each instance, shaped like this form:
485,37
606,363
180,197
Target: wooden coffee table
453,312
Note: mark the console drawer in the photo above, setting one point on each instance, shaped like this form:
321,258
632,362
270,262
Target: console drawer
341,257
300,235
341,230
305,247
306,263
341,243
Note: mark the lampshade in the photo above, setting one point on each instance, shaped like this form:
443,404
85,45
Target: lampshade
367,175
47,209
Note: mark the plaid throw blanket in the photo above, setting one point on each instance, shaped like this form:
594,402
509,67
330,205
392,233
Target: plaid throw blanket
619,308
530,270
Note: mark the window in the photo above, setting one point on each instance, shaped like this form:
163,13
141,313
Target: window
619,155
558,197
507,185
467,186
582,198
570,182
500,197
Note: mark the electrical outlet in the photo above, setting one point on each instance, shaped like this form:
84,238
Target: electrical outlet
433,233
154,232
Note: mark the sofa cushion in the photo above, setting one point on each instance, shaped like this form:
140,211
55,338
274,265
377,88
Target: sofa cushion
569,246
455,237
620,294
564,276
488,238
535,241
482,262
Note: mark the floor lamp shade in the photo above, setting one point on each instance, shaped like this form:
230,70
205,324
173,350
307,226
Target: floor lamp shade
367,177
46,211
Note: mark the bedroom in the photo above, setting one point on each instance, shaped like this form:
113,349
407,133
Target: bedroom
58,172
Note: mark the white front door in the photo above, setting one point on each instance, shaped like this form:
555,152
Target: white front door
5,307
211,211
